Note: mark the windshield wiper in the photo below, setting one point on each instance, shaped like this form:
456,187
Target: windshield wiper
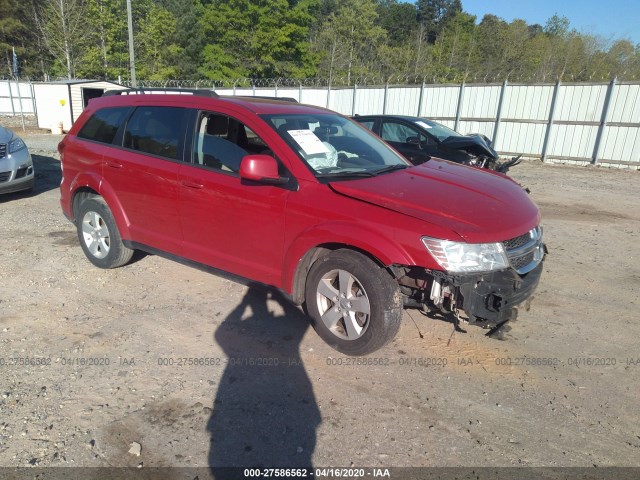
391,168
347,173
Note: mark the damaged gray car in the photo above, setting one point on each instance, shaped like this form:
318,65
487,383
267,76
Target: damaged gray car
418,139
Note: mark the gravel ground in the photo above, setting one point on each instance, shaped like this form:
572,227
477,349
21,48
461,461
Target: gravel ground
159,364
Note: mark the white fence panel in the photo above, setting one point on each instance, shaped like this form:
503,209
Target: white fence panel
580,103
369,101
480,101
315,96
521,119
625,104
531,102
485,128
621,143
15,98
440,101
403,101
521,138
342,101
572,141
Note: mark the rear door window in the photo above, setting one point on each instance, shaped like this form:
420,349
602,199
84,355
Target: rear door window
158,131
104,124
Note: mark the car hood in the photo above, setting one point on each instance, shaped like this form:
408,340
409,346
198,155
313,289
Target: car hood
477,205
5,135
474,143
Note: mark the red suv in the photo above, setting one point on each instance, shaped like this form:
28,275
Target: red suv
303,199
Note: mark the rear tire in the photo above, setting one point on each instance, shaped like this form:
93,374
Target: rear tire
99,236
355,305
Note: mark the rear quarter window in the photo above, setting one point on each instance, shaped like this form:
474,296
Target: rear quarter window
104,124
157,131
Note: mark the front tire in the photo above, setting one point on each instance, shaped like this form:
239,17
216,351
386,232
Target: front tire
99,236
355,305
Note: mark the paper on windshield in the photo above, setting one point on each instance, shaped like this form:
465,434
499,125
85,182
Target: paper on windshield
422,124
308,141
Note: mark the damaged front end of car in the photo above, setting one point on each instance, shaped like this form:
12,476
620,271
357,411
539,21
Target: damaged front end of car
482,285
480,152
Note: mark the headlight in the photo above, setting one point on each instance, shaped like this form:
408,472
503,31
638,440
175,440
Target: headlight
460,257
16,144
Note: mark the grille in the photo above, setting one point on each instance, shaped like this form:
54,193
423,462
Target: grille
3,149
522,261
518,241
4,176
21,172
526,251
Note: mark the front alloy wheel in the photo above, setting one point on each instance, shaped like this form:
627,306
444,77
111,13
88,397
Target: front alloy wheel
343,304
355,304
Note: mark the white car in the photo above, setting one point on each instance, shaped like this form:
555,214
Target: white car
16,166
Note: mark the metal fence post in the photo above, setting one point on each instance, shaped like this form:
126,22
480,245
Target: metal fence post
552,113
300,93
353,100
421,99
20,103
253,87
386,94
459,107
13,110
603,121
496,128
33,100
328,94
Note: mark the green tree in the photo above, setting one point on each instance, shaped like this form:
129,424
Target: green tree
262,39
106,55
434,15
349,40
399,19
156,50
63,29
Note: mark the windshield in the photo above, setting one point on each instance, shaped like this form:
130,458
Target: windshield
335,147
437,129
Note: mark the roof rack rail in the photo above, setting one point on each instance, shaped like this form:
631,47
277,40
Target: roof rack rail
142,91
265,97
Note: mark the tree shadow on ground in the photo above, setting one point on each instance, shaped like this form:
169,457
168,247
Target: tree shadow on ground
265,413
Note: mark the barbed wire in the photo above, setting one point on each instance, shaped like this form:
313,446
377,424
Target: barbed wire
373,81
376,80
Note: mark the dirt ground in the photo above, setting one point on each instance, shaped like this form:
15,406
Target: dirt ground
160,364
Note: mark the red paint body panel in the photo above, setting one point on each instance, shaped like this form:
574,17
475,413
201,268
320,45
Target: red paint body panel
263,231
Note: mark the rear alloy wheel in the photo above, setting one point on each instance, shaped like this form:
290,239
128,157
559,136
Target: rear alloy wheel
355,305
99,236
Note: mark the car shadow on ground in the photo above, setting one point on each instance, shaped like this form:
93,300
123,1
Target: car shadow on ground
48,177
265,413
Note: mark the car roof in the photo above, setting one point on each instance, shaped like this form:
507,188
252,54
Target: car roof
255,105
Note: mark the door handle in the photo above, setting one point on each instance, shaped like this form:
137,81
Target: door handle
114,164
192,184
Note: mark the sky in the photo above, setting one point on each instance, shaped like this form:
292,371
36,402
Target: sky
611,19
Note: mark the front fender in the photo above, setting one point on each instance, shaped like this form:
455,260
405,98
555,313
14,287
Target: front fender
348,234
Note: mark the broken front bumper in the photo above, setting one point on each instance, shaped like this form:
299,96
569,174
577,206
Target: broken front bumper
491,298
485,299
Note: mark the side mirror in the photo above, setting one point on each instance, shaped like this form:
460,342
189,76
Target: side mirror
261,169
